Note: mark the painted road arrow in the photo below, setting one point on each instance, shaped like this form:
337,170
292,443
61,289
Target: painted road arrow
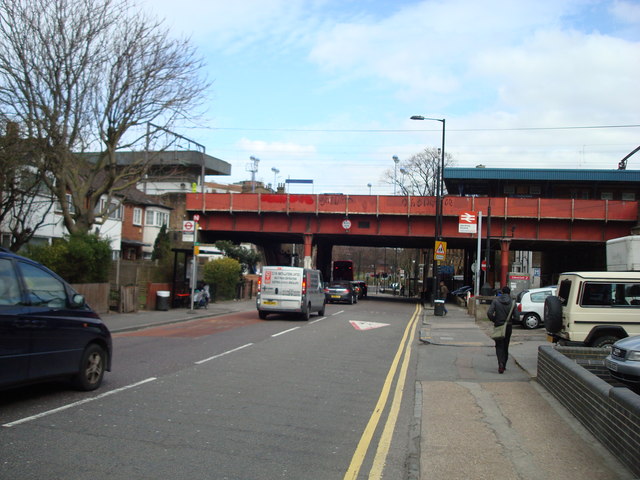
367,325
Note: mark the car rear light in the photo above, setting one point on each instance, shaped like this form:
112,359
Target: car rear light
304,286
519,307
259,283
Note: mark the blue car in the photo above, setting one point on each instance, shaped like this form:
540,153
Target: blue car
47,331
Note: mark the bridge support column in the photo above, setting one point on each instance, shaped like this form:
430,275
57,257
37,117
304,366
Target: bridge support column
504,260
308,251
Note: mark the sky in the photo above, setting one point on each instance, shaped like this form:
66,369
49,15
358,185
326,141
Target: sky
323,90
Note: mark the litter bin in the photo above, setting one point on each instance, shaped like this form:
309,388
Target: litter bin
438,307
162,300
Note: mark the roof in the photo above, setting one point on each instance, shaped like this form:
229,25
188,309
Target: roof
541,174
604,276
173,158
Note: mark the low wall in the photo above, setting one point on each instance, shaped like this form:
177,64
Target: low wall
610,413
479,306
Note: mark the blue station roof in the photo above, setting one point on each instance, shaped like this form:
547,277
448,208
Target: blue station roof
542,174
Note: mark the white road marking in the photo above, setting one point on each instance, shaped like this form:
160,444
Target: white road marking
286,331
199,362
367,325
75,404
318,320
337,313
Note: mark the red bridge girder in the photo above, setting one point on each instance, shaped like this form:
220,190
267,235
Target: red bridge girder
520,219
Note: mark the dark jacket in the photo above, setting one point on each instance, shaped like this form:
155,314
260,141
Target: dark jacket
499,309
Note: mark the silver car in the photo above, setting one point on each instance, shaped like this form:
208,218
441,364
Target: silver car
624,362
530,305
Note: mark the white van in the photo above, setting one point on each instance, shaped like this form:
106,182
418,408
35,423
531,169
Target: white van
290,290
594,309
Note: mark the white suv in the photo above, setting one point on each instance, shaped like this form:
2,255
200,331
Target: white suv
594,309
531,306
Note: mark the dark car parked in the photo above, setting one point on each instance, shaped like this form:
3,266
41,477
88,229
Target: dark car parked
47,331
363,288
336,292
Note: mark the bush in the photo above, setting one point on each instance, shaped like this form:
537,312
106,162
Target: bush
78,258
223,275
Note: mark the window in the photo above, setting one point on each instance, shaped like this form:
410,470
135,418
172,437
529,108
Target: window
628,196
42,288
606,195
156,219
114,209
611,294
162,218
535,190
137,216
539,297
70,205
9,287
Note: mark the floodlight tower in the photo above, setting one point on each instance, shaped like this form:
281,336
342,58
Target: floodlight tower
253,168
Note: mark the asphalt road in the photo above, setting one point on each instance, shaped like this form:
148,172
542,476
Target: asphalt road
230,397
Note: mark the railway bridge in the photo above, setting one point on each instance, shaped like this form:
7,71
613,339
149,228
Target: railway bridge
570,232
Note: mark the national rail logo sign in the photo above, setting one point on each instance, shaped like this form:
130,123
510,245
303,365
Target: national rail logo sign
468,222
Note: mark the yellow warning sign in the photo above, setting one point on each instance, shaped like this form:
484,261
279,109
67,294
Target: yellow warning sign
440,250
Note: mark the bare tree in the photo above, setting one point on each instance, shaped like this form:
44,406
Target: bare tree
418,174
24,199
84,78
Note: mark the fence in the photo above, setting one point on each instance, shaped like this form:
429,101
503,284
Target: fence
96,295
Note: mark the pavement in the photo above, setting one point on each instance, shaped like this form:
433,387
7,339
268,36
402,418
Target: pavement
124,322
473,423
470,422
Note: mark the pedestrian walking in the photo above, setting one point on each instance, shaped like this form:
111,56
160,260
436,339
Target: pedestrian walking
502,311
443,294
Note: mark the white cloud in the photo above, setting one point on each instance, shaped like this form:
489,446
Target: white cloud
335,65
567,77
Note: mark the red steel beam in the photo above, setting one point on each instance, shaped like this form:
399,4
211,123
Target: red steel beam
517,218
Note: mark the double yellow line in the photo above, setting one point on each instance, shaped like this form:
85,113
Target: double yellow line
404,349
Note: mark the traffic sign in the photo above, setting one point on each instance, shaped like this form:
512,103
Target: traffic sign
196,218
188,226
483,265
440,250
468,222
346,224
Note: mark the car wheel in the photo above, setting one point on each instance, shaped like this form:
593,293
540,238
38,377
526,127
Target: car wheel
321,311
351,300
306,315
530,321
553,314
605,341
92,366
262,315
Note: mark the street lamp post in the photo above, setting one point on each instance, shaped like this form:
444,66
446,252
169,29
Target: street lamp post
369,185
275,178
395,172
439,195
